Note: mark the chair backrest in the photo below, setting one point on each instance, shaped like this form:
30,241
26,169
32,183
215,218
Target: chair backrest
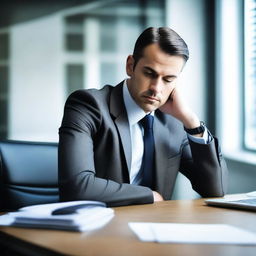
28,174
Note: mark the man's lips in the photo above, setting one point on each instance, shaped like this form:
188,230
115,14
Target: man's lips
150,98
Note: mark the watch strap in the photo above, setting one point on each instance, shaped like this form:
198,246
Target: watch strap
197,130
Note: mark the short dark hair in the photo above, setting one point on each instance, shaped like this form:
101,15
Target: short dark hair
167,39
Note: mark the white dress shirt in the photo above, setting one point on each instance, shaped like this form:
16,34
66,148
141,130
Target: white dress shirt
135,114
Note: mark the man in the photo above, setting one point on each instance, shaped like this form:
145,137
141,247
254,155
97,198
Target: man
102,153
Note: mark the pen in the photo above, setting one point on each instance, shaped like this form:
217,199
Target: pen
73,208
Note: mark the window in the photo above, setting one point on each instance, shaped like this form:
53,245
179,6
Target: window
98,40
235,104
44,59
250,74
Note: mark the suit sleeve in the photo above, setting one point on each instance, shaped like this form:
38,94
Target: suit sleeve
204,166
77,175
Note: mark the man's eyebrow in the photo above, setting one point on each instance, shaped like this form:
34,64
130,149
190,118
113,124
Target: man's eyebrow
153,71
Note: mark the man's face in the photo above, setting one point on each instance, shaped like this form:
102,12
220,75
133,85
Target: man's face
153,79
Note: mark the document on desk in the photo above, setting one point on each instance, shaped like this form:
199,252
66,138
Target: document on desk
192,233
73,216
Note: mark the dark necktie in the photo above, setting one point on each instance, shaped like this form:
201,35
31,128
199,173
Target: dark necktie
148,160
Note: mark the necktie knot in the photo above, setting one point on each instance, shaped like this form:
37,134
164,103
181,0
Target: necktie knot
147,122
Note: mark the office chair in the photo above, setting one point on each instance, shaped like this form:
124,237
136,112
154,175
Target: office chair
28,174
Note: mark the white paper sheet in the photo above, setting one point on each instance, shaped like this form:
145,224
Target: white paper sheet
91,217
192,233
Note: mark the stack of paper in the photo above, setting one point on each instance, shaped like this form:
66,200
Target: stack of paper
192,233
74,216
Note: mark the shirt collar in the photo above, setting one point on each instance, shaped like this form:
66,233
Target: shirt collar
134,112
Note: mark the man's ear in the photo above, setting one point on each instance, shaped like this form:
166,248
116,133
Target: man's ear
129,65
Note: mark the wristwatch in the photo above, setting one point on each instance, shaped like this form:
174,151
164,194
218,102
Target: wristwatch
197,130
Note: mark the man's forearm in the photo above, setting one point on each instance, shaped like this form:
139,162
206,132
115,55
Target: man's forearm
86,186
207,169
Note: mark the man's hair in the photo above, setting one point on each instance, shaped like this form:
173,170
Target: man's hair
167,39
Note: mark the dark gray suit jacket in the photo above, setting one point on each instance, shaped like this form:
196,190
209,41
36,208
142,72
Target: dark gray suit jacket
95,153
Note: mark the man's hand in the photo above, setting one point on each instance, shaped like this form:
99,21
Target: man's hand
176,107
157,197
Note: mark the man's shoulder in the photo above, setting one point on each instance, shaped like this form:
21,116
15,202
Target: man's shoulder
95,100
92,96
168,121
92,92
165,118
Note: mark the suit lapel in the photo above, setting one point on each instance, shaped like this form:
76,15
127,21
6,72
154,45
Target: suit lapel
162,138
118,111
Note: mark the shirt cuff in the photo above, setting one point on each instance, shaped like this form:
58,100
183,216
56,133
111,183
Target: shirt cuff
206,139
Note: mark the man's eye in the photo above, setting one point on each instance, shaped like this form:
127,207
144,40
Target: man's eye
148,73
168,80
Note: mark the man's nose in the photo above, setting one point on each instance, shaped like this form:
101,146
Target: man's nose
155,85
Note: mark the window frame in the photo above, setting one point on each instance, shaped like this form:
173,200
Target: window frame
245,77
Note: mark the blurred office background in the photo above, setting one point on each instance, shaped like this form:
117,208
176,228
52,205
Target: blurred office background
50,48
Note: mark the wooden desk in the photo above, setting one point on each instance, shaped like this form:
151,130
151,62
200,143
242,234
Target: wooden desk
117,239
